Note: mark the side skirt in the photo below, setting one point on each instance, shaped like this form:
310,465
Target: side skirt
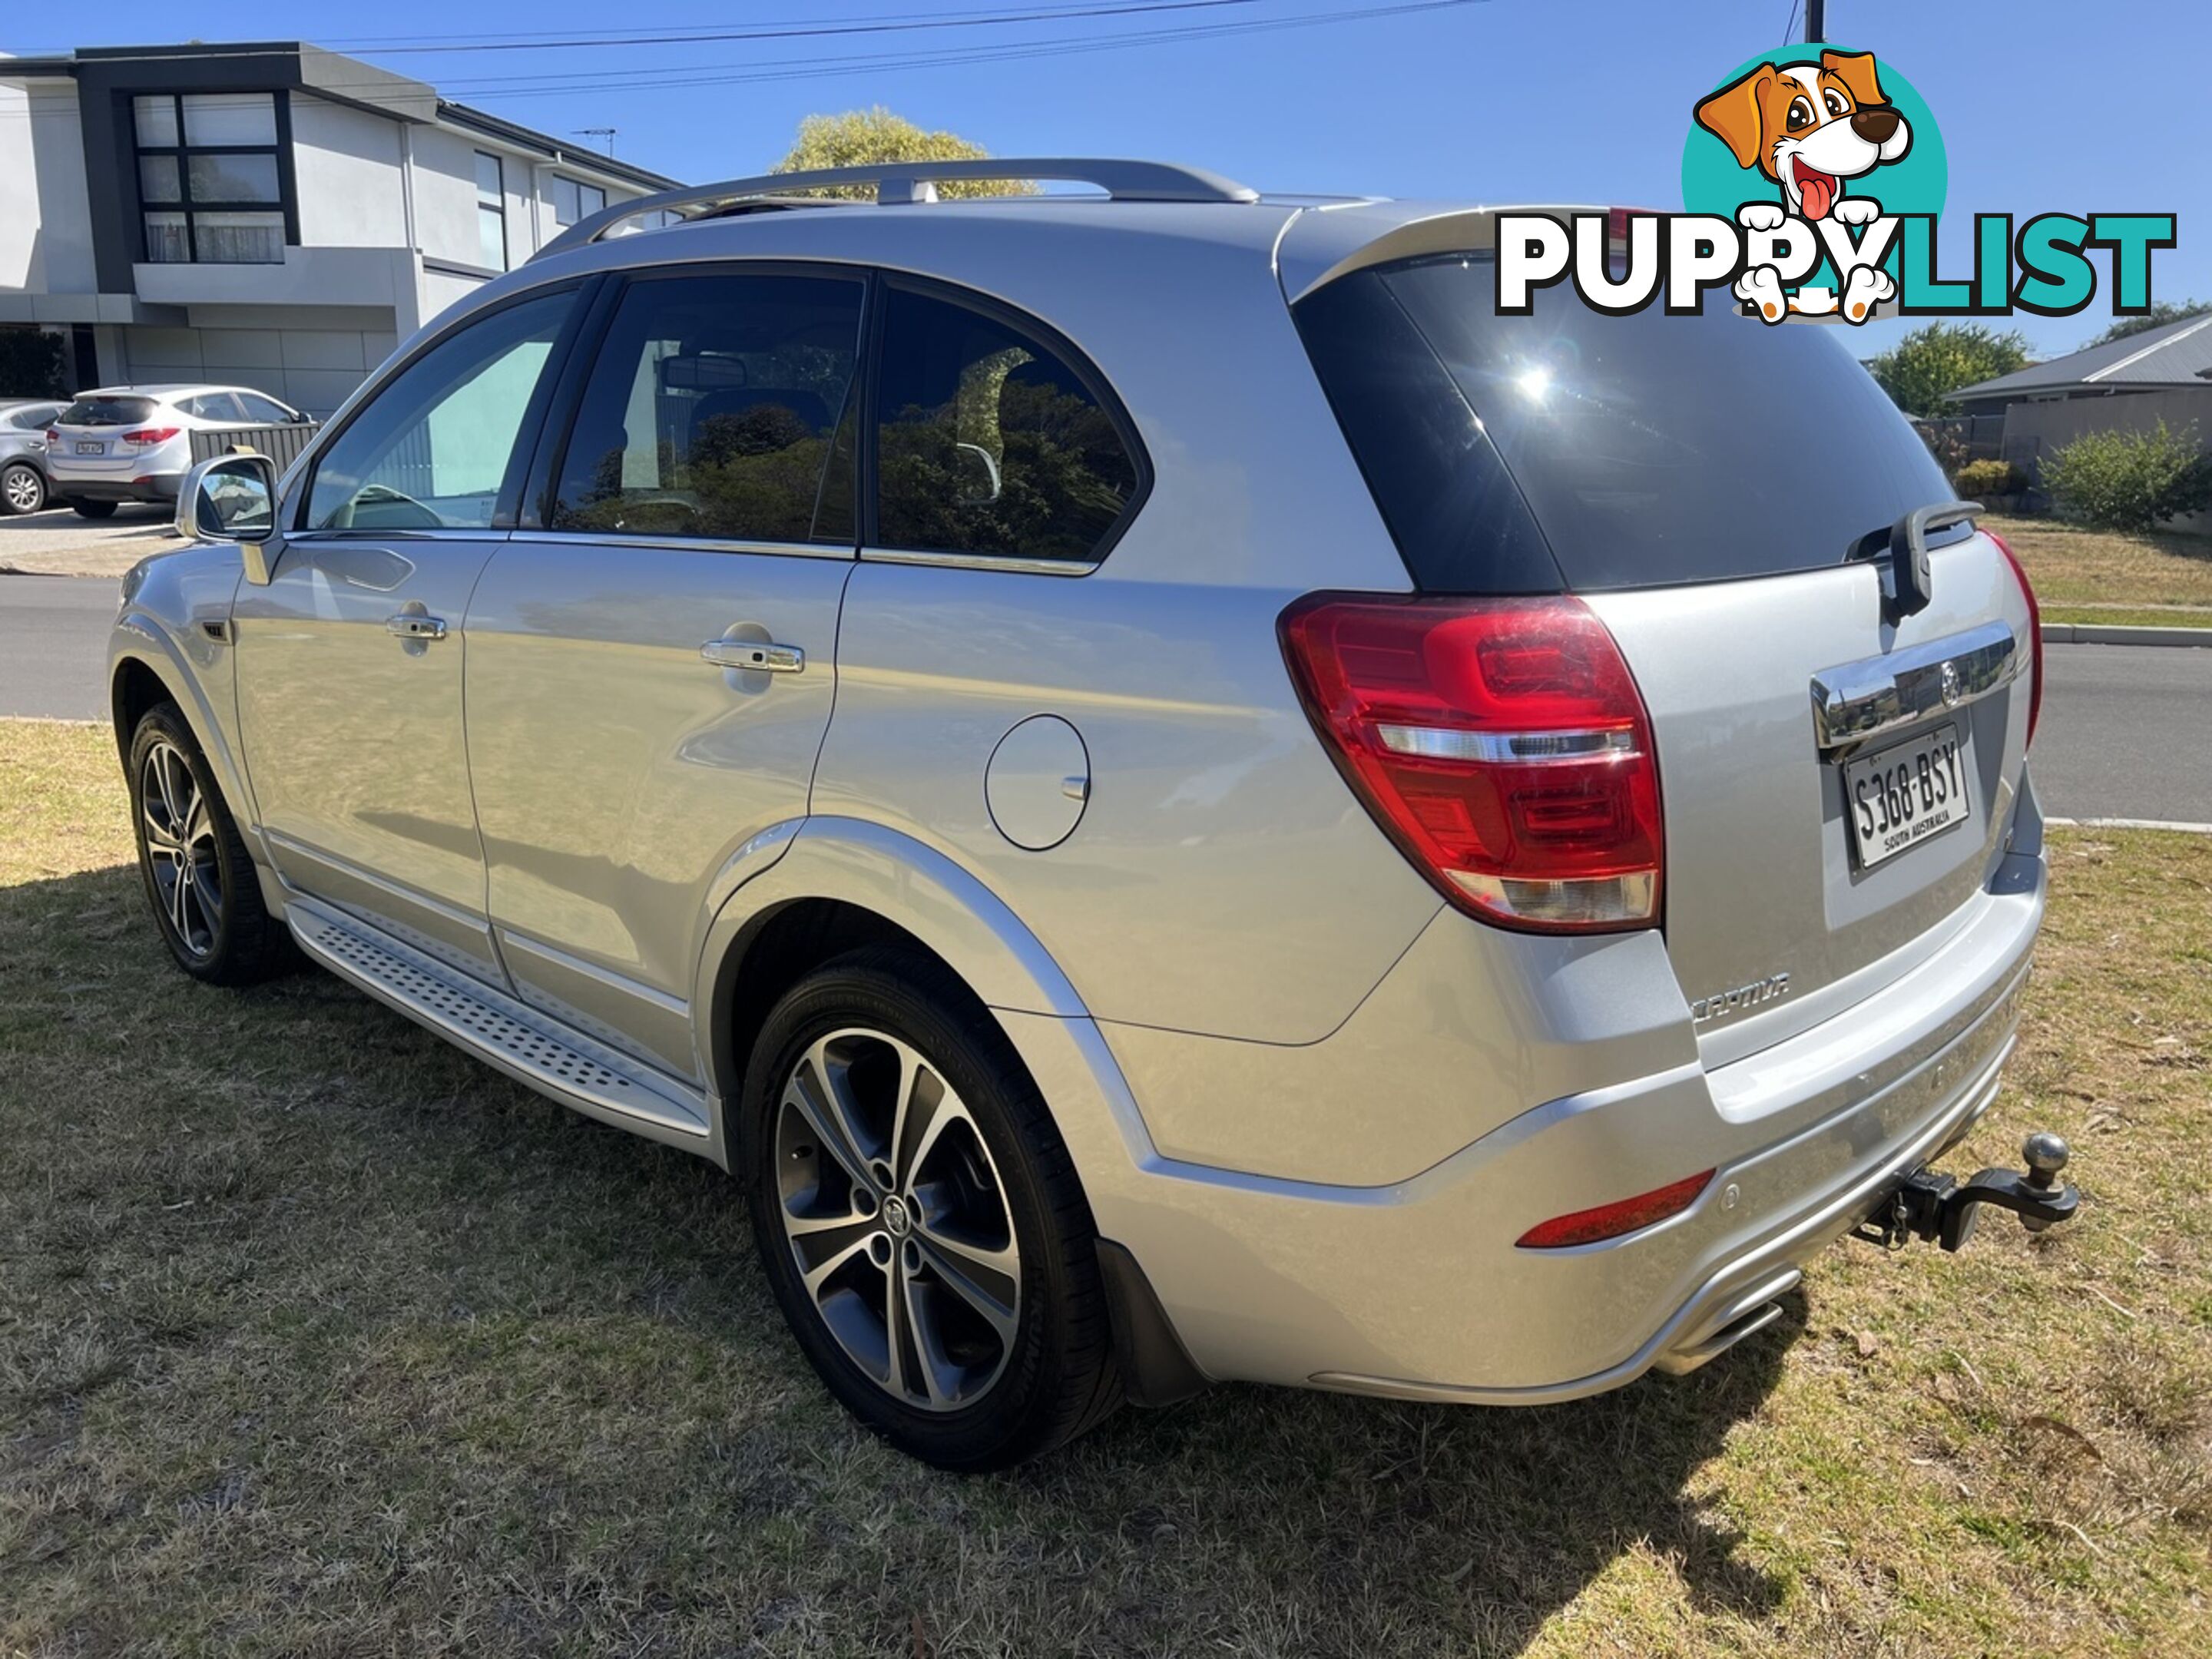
531,1047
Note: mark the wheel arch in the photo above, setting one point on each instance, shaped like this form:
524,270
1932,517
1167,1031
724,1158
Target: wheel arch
145,668
840,883
837,884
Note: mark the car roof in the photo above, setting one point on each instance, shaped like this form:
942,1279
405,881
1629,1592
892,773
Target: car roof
1311,239
168,389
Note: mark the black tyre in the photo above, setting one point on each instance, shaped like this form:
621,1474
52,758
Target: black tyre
22,489
919,1219
199,877
85,509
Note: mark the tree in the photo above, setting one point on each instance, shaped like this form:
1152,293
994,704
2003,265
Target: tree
2130,480
863,137
2161,312
1922,371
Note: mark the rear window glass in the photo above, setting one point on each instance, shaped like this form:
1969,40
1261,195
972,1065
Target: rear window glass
108,411
1647,450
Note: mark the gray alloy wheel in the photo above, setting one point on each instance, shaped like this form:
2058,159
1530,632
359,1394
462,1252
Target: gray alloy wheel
180,848
896,1219
22,490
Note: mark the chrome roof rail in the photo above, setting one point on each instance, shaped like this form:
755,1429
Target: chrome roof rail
902,183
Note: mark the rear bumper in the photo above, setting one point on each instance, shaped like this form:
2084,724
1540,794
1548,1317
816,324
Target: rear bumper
1738,1299
114,487
1416,1290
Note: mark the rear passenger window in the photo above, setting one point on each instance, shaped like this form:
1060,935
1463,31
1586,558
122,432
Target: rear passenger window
987,442
711,410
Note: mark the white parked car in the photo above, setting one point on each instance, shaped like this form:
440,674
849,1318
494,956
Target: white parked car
133,443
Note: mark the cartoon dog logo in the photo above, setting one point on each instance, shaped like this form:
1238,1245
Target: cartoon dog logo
1809,127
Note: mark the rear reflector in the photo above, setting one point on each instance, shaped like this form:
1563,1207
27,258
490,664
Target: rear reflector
1501,743
1612,1220
2034,634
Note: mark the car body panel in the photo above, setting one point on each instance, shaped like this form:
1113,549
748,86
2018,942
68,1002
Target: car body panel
1205,783
597,890
354,735
1314,1104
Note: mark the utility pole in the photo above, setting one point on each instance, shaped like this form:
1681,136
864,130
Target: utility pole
1816,20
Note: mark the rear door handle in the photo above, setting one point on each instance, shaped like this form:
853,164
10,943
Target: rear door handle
763,656
408,626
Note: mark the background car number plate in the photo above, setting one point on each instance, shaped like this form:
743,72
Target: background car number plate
1901,795
92,449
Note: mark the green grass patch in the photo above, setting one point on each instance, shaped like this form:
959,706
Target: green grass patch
317,1337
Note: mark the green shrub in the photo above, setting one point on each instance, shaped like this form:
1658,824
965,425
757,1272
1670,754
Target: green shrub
2130,480
1980,479
30,363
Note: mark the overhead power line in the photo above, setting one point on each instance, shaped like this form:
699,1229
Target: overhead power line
785,31
485,89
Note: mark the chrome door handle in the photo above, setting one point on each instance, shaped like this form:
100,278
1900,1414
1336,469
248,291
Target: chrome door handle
762,656
408,626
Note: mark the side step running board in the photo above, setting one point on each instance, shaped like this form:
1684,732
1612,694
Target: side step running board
526,1045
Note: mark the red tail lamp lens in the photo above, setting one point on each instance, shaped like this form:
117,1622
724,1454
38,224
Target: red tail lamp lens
1501,743
2034,634
1612,1220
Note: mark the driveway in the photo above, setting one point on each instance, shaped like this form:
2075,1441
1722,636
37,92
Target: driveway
58,543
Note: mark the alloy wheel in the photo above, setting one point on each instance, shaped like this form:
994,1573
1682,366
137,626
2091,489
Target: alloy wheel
897,1219
181,847
23,491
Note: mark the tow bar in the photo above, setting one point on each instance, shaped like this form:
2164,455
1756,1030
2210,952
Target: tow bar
1927,1205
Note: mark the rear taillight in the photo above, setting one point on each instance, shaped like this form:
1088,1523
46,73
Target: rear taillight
2034,634
1501,742
1628,1215
151,435
53,434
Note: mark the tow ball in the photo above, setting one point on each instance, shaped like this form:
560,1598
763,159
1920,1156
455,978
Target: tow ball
1929,1205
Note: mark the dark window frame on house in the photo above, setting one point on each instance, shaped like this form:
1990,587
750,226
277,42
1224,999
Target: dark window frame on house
585,210
187,205
495,207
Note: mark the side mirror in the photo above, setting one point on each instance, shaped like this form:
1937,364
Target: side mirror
232,498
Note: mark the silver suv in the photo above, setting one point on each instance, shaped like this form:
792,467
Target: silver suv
1175,798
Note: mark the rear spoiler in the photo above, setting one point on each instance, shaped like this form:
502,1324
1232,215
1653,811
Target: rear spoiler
1323,244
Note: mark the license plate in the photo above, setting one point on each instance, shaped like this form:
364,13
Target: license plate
1899,796
92,449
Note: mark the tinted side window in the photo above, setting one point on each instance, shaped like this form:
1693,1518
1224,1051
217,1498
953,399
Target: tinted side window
432,449
711,411
215,406
987,442
265,410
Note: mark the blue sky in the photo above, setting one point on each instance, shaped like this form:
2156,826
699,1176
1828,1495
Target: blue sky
2045,105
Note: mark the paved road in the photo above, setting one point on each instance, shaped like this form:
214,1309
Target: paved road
2126,733
2123,726
53,645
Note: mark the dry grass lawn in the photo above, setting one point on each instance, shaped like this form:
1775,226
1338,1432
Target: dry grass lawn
319,1338
2094,575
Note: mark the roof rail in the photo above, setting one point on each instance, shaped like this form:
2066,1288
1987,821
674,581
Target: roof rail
901,183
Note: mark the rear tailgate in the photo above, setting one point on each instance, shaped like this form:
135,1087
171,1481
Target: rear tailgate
1720,493
1774,917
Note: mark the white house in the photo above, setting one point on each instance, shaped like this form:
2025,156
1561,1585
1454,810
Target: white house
270,214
